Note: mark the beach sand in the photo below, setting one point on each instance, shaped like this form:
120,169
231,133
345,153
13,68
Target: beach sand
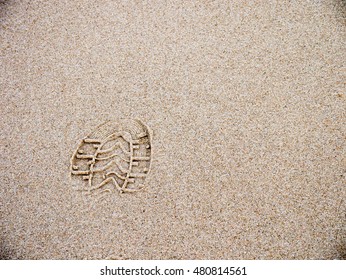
246,107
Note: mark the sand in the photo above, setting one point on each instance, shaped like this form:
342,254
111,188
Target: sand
246,104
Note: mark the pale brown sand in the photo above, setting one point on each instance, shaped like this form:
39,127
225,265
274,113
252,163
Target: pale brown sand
247,107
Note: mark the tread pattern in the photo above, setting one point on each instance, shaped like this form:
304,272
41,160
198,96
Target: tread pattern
116,156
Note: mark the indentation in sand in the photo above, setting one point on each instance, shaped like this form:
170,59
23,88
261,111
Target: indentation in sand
116,156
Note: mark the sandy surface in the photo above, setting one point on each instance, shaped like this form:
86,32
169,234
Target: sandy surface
247,107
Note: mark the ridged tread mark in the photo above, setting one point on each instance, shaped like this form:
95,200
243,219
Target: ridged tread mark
117,155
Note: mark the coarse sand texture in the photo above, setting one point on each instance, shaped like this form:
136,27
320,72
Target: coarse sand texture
172,129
